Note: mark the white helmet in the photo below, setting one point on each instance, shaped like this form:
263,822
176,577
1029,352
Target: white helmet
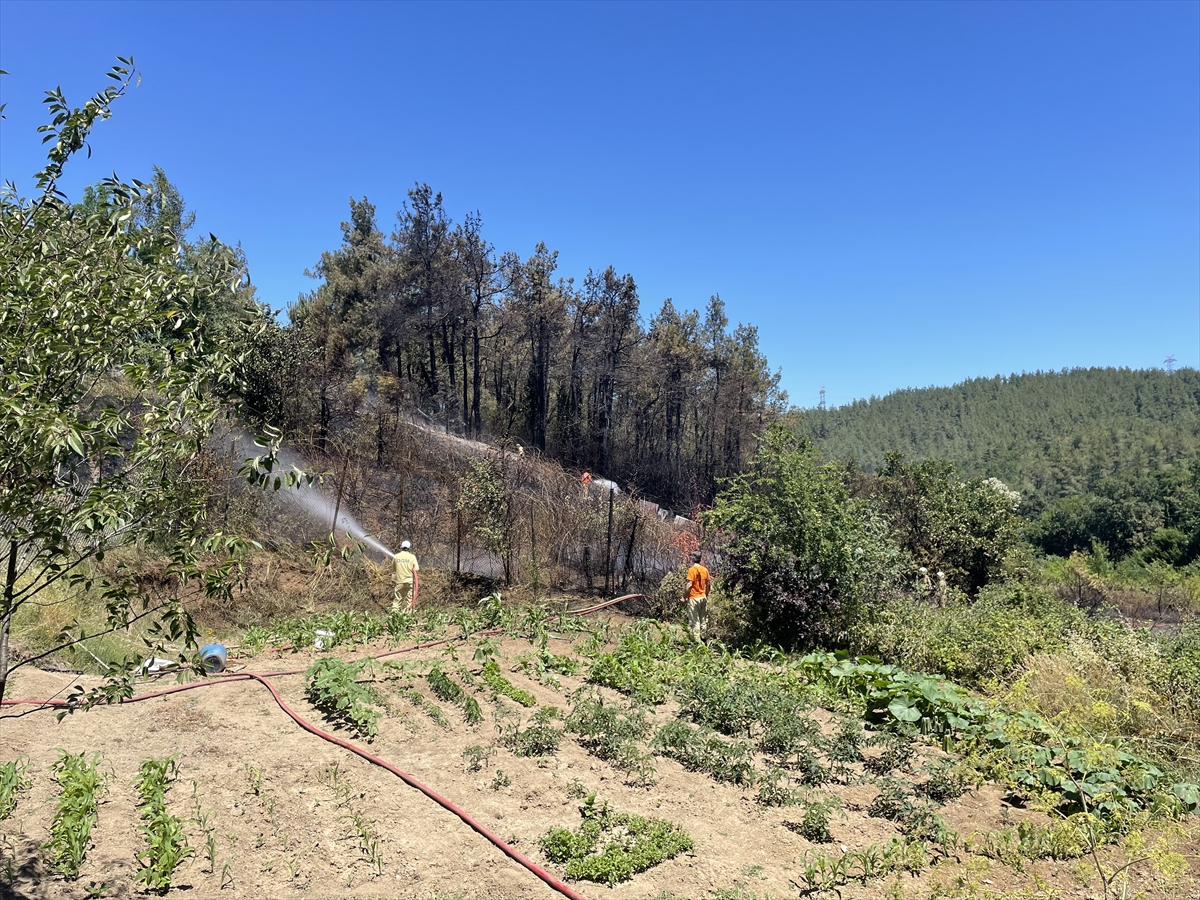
405,545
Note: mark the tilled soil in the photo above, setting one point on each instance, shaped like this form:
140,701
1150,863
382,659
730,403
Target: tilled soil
291,815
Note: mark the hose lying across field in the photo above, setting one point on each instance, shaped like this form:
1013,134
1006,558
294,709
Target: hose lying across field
264,680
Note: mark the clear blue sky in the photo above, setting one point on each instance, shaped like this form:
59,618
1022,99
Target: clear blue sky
896,194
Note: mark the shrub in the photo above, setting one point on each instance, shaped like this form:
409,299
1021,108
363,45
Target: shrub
804,552
970,642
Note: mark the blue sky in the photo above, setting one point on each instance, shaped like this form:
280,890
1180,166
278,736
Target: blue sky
896,194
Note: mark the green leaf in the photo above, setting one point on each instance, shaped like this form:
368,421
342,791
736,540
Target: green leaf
904,711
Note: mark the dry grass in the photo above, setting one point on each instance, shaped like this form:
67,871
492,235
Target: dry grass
1112,695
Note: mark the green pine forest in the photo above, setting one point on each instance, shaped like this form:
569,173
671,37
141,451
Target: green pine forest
1045,434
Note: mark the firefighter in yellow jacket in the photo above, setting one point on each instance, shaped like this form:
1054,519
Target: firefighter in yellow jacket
408,579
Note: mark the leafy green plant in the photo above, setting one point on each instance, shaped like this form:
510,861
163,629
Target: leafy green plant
501,685
419,700
1020,748
610,847
605,731
948,780
542,661
451,691
477,756
893,801
333,688
774,790
897,752
14,779
540,738
500,780
815,824
80,785
166,842
700,751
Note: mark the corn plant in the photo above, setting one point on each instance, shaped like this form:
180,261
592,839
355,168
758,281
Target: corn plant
368,840
14,779
166,843
81,783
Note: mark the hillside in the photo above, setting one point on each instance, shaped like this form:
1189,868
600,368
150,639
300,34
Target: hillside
1046,434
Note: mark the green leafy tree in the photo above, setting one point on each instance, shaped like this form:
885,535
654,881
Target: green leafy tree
793,539
961,527
110,387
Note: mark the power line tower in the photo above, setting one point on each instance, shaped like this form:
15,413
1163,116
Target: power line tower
821,402
1169,363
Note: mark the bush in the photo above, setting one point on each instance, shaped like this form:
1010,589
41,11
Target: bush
803,551
970,642
1115,680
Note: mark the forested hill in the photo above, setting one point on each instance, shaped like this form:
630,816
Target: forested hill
1046,434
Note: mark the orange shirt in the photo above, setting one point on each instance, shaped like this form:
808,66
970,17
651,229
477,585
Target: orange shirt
698,579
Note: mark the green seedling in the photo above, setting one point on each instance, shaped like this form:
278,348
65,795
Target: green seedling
166,843
368,841
501,685
477,757
450,691
14,779
80,785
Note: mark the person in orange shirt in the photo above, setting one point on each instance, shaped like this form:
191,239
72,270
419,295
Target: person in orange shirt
695,595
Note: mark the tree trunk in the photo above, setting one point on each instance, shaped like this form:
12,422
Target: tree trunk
477,384
10,585
608,548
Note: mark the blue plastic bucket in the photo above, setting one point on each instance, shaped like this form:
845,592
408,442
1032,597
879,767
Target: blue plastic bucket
213,657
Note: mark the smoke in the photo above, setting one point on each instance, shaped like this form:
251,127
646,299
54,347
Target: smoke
310,498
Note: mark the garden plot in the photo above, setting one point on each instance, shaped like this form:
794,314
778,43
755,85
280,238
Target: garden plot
621,757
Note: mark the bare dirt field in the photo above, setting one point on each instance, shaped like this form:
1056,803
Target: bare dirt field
291,815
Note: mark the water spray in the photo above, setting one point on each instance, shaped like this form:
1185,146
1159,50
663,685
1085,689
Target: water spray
309,498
